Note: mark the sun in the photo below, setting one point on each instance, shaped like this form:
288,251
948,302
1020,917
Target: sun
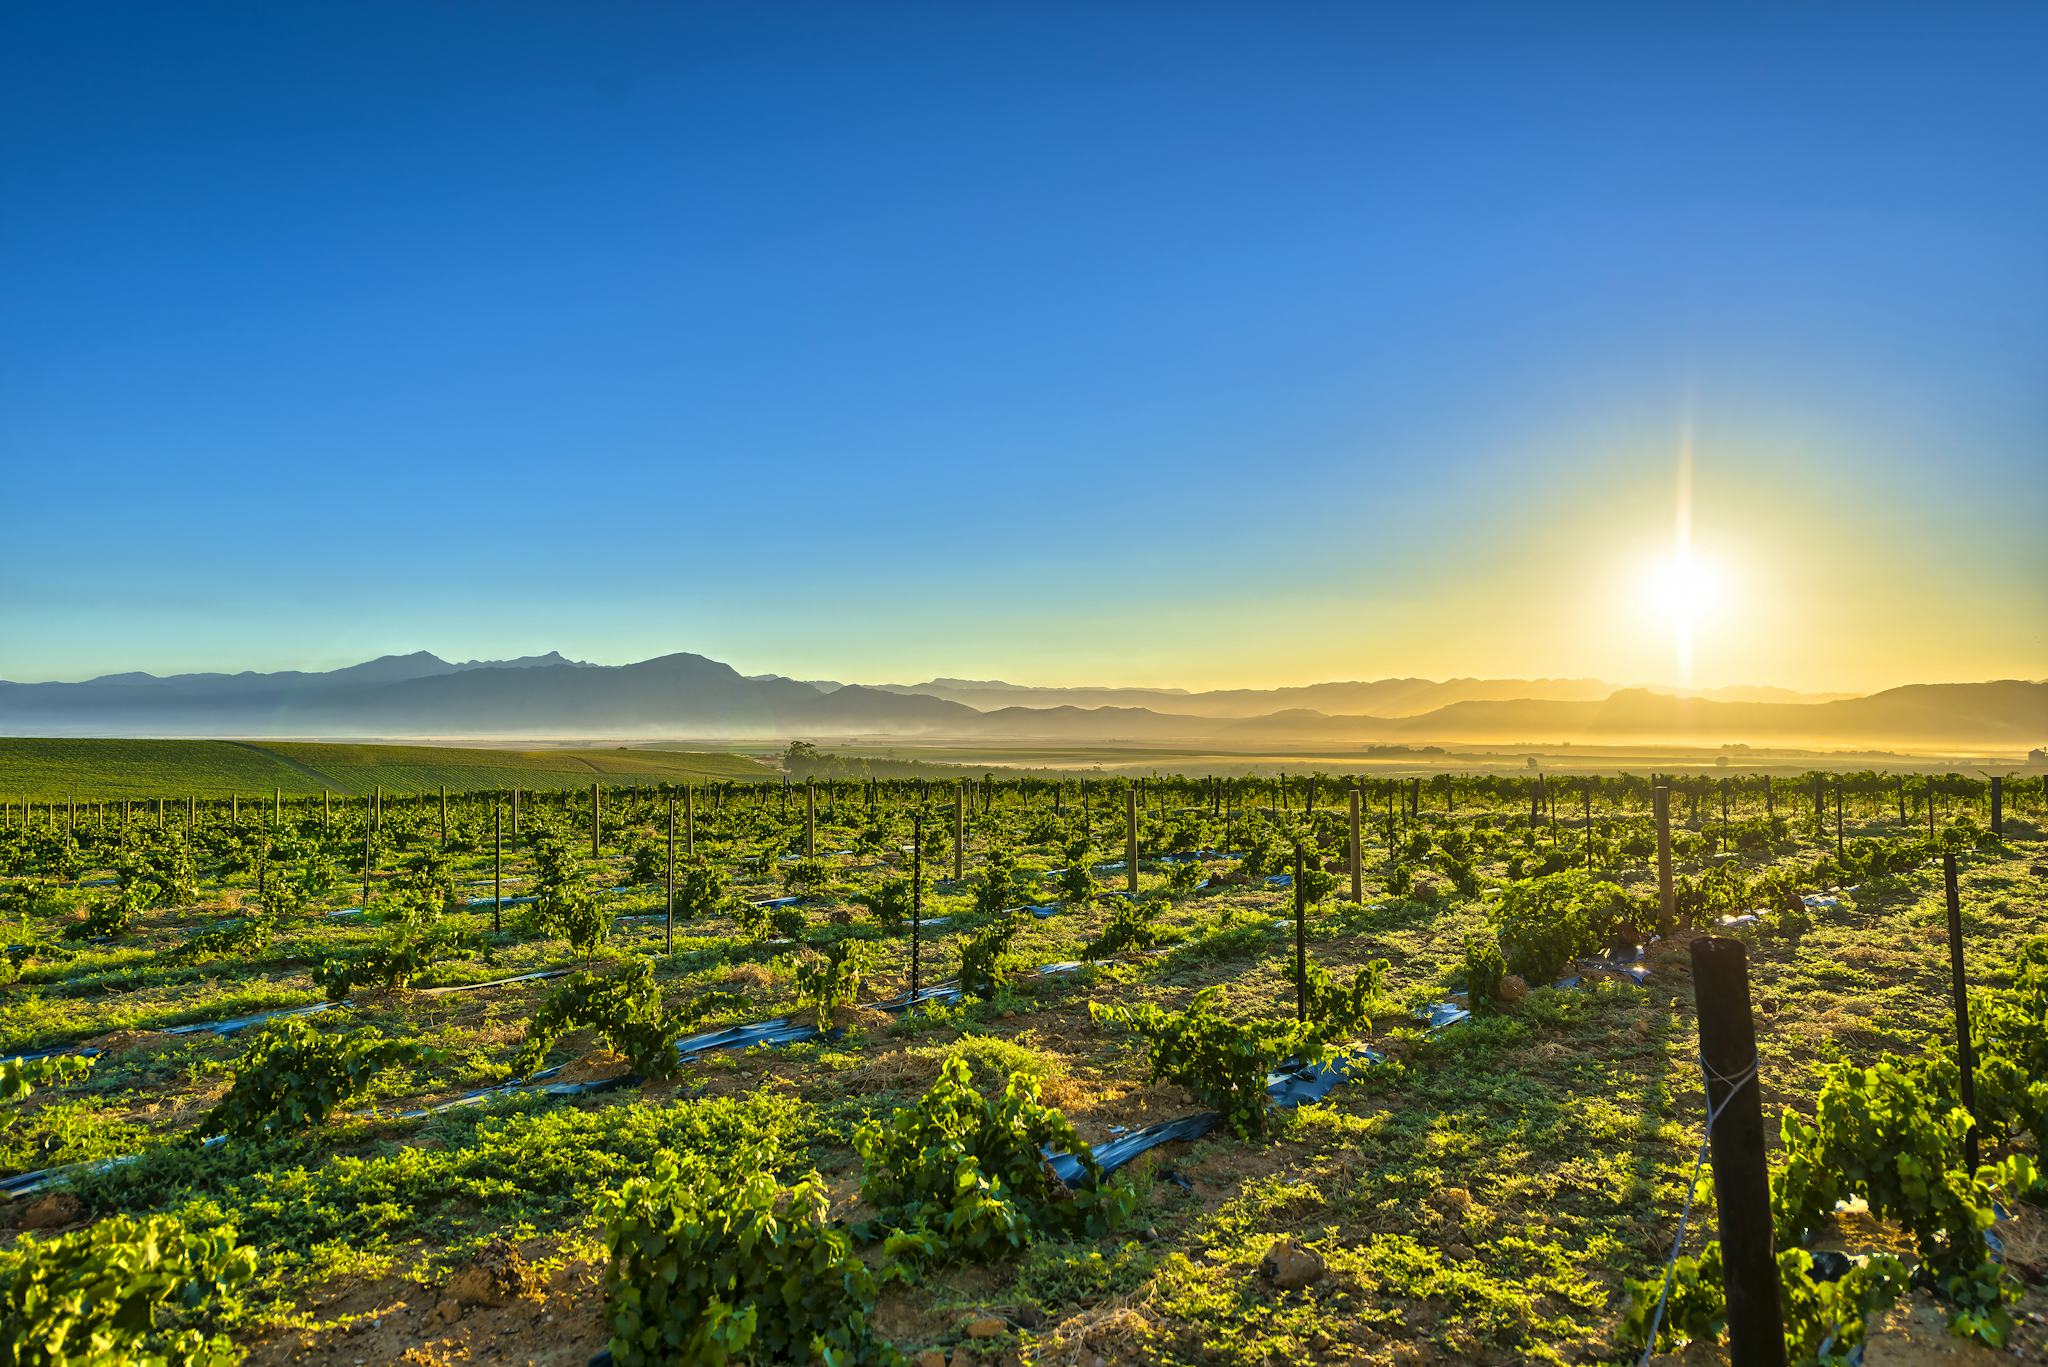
1685,583
1683,590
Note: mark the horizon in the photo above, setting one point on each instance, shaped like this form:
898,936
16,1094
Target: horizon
570,658
1225,349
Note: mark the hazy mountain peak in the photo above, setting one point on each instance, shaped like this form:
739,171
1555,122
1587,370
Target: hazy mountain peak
553,657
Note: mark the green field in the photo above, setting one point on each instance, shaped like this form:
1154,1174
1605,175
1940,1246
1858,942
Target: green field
422,1168
96,770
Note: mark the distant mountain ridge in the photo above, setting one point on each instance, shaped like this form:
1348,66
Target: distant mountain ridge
1379,697
384,669
686,696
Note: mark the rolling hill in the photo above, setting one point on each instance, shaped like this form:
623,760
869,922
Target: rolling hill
686,696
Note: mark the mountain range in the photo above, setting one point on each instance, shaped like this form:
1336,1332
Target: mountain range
685,696
1380,697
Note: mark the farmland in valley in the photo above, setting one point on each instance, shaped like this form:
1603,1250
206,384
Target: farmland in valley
50,770
413,1123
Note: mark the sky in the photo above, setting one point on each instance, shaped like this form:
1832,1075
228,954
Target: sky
1126,344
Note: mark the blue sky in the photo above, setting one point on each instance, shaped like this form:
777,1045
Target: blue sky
1147,344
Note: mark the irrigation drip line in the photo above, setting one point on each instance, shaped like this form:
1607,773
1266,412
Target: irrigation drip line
1734,1085
236,1024
1292,1084
538,975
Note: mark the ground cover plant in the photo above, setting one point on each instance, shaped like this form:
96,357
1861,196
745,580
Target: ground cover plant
489,1129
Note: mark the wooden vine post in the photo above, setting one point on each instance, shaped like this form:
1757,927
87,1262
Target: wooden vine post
916,898
1131,841
1742,1184
1357,853
497,868
690,820
1959,989
596,817
368,830
1667,902
959,831
810,820
669,935
1997,807
1838,816
1300,939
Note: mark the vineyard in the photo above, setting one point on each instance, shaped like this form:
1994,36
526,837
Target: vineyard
44,770
1029,1070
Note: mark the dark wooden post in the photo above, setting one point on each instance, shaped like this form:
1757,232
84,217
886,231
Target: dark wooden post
1742,1184
959,830
1667,902
1131,841
1587,790
1997,805
1357,852
1300,939
368,831
497,867
1838,817
810,820
1965,1055
596,817
916,897
669,938
690,821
